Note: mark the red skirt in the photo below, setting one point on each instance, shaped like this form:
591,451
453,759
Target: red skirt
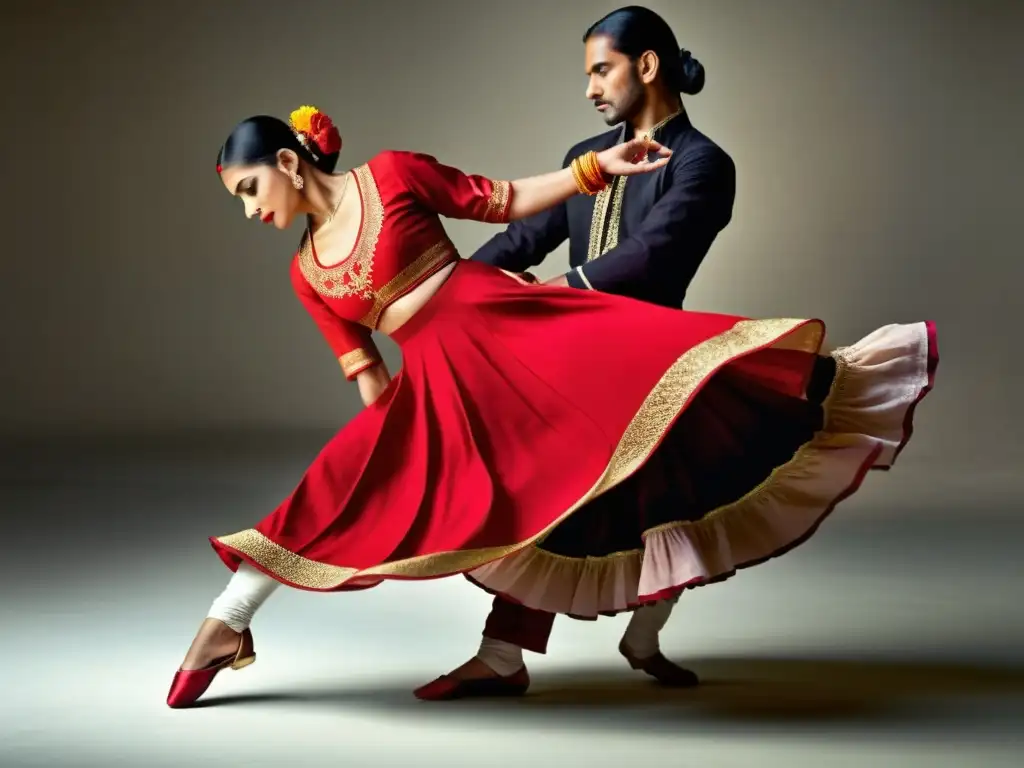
519,408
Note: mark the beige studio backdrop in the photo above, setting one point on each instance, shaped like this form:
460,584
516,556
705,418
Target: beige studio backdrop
877,147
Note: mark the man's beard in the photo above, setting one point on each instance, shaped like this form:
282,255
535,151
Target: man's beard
628,105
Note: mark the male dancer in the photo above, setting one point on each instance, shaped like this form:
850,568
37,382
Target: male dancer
645,239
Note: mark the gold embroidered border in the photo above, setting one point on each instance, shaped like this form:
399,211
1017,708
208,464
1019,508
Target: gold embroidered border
356,361
431,260
354,275
611,238
498,202
597,222
644,432
293,568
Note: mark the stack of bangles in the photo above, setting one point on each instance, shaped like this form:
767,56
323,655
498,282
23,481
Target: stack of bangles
587,173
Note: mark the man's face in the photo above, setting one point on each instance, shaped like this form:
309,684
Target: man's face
613,84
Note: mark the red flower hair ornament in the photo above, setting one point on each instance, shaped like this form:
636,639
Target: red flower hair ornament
315,131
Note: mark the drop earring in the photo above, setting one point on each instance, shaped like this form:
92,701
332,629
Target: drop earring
297,181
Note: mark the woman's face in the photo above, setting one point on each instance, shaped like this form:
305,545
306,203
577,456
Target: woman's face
266,191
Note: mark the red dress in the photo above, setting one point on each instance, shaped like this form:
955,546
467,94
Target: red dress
518,408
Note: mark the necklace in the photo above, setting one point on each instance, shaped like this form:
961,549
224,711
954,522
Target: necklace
329,217
647,137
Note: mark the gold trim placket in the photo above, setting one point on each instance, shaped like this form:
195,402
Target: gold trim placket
605,223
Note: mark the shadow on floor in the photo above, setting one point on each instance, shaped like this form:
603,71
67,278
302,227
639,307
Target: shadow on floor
739,691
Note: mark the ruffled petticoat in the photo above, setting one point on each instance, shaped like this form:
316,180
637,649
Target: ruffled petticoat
605,560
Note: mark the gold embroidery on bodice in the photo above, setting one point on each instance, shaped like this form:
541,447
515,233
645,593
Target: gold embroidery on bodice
354,275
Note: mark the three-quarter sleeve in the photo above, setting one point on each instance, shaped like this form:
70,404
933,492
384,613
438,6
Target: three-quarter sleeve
451,192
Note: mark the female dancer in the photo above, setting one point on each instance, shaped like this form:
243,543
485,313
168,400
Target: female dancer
453,466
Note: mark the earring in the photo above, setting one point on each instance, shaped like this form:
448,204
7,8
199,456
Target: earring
297,181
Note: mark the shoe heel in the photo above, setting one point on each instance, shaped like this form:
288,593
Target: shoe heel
632,660
243,663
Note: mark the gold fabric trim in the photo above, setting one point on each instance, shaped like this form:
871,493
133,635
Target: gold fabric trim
597,222
497,204
356,361
604,227
354,275
611,238
424,265
293,568
837,392
668,397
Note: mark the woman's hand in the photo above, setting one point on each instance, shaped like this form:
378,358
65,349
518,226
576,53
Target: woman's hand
632,157
523,277
372,382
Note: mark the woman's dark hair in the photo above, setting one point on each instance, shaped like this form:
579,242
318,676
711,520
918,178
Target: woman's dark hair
257,140
633,30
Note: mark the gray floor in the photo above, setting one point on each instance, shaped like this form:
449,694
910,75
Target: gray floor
892,638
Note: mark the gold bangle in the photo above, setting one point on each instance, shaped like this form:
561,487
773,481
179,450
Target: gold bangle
574,166
598,172
577,175
581,166
586,172
592,169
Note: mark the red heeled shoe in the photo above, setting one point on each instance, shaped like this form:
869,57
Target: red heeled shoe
661,669
189,684
446,687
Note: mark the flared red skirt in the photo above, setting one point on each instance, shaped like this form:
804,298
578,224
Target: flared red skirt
584,453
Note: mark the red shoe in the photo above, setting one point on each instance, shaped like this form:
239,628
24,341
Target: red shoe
661,669
446,687
189,684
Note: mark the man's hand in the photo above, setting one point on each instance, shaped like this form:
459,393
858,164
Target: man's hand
521,277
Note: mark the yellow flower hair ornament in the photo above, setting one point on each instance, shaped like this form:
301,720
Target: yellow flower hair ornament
315,131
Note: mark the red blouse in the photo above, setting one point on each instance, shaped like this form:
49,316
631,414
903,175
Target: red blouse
400,243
